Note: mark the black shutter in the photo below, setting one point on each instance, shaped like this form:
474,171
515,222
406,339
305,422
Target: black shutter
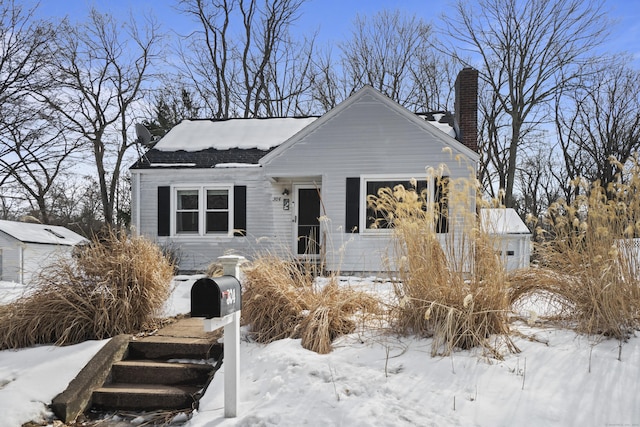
442,204
164,211
352,205
240,210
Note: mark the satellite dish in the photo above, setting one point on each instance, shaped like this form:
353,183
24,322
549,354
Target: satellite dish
144,136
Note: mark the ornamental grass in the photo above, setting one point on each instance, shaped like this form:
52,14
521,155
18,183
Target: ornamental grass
590,253
450,286
282,299
115,285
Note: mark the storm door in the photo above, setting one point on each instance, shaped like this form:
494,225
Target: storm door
307,223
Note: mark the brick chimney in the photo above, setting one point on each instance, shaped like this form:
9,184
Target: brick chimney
466,108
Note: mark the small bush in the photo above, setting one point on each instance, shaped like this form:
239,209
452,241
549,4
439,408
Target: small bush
280,300
112,286
273,298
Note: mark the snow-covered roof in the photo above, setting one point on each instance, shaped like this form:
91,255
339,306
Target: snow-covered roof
440,121
502,221
240,143
263,134
40,233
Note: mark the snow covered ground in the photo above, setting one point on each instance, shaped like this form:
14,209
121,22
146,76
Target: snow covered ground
559,379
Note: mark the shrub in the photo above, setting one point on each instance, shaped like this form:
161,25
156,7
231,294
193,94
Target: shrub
112,286
592,242
450,286
281,300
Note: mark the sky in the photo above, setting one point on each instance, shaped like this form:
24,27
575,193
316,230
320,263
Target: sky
333,18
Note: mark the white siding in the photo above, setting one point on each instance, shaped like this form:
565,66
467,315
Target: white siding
11,259
367,138
37,257
21,261
197,252
367,135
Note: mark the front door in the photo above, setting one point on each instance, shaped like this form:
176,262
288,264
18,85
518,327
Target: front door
307,227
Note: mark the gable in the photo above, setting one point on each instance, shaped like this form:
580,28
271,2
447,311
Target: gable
503,221
367,116
367,128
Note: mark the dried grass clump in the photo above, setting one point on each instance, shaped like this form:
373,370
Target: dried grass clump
273,298
113,286
214,269
594,240
280,300
331,315
452,285
548,294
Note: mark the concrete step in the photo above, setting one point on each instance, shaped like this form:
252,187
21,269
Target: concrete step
144,397
165,348
155,372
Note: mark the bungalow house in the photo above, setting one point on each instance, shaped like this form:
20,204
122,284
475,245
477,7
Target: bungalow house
211,187
25,248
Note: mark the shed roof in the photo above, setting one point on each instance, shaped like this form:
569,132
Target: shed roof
41,233
502,221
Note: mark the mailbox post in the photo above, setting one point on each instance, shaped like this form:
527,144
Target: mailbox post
219,301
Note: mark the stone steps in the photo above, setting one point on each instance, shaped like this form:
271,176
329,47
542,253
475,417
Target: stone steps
168,371
144,397
159,374
165,348
154,372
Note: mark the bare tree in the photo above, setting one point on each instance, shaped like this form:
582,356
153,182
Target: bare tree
255,71
526,51
599,121
37,158
100,74
538,186
493,154
393,53
77,204
24,50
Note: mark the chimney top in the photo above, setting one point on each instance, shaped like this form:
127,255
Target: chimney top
466,107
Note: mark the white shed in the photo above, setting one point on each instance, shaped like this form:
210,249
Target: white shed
512,236
26,247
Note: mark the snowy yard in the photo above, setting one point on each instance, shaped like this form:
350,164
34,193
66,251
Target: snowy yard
370,379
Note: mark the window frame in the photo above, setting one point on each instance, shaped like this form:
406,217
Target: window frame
202,210
365,179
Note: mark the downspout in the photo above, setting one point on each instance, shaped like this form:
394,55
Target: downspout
136,185
21,264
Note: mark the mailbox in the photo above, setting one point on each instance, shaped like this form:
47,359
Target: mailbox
215,297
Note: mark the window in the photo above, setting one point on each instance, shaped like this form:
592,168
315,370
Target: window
441,198
203,210
187,211
217,211
375,219
359,216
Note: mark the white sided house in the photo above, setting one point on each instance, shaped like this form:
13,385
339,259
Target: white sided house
25,248
297,185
